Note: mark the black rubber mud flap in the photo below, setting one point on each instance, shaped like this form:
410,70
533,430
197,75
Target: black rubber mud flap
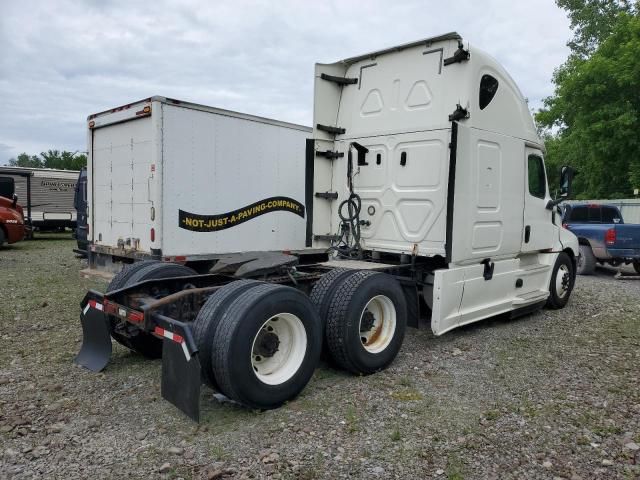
181,379
96,339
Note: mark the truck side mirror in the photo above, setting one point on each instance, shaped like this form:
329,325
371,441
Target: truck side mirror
566,178
15,200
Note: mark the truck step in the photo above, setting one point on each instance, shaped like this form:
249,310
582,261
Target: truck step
534,269
530,297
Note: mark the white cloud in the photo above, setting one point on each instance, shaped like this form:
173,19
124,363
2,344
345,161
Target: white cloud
62,60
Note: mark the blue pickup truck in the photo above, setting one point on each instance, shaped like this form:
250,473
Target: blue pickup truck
603,236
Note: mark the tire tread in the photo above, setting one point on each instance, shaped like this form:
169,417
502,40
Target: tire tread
320,295
208,319
338,324
120,278
589,260
224,335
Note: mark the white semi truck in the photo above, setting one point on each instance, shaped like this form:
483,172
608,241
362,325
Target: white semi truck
177,181
427,191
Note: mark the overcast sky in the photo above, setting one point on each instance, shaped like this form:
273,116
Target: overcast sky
61,60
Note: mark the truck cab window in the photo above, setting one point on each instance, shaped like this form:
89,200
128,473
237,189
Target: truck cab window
595,214
578,214
610,215
537,179
488,89
7,187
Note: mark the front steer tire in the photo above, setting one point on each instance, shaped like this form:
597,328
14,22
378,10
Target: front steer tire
366,322
275,327
562,281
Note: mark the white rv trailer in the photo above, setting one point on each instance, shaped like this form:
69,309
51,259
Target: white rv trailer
51,194
177,181
430,196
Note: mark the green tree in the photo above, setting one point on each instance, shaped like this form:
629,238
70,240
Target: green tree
64,160
51,159
26,160
592,120
592,21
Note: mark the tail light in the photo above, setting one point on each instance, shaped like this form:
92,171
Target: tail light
112,308
610,236
136,317
153,234
565,225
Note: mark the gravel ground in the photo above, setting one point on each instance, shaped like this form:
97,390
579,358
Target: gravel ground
550,395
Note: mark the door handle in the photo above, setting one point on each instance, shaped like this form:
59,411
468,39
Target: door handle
488,268
527,233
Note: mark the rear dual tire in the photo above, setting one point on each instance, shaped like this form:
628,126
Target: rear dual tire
366,319
259,343
324,290
207,320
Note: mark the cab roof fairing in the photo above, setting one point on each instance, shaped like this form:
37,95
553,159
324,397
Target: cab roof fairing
516,121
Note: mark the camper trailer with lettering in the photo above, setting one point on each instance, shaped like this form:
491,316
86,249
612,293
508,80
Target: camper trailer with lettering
46,194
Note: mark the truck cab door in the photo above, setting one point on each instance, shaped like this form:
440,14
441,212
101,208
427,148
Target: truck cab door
539,232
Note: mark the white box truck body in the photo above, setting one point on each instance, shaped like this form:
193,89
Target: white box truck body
185,182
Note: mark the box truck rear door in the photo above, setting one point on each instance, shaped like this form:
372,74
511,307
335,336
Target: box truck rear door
122,158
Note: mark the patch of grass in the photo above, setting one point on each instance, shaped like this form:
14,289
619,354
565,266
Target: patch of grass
583,440
308,472
455,468
224,416
396,436
405,382
492,414
218,453
352,419
407,395
606,430
527,407
324,373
